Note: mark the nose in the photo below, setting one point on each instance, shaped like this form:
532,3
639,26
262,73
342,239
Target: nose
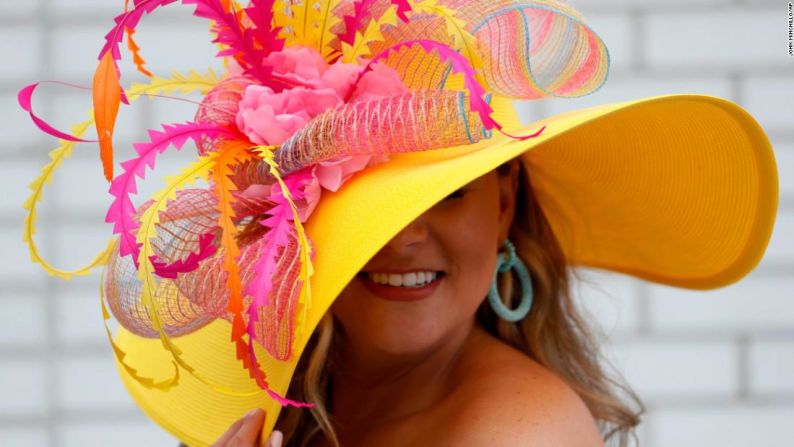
410,237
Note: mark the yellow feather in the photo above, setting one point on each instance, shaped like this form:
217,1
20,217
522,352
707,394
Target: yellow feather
307,268
177,83
360,47
462,39
307,22
184,84
37,187
147,231
120,355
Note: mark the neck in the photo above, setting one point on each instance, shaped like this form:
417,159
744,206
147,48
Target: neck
377,386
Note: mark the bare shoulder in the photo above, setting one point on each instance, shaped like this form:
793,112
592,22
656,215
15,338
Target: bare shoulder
509,399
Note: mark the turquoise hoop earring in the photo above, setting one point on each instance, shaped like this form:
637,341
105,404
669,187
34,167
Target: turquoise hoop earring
504,265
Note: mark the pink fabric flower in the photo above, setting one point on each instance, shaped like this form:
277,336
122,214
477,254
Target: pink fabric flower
271,118
330,175
379,82
341,77
267,117
303,65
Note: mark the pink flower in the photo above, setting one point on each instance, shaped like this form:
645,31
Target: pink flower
271,118
303,65
330,175
341,77
379,82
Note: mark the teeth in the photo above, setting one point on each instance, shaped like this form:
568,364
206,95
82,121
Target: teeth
412,279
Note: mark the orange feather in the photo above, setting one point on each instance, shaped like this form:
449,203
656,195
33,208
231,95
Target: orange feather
107,99
136,53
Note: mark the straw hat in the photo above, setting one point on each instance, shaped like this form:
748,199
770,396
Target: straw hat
323,141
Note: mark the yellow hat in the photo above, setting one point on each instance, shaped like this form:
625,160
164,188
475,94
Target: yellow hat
675,189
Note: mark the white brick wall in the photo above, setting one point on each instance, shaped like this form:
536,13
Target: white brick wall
714,368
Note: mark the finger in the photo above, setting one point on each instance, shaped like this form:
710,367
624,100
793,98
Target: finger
224,439
275,439
249,431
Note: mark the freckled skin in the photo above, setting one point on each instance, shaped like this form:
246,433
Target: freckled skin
459,235
406,353
424,372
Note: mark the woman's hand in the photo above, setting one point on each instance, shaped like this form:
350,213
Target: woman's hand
245,432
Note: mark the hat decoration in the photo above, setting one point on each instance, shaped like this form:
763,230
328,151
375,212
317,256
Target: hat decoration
315,91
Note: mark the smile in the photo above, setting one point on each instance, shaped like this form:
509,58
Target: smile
408,286
409,279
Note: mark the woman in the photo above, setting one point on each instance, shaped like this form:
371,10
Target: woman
350,141
451,371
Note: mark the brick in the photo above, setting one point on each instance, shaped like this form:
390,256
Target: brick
20,46
23,387
176,45
90,382
714,39
586,5
727,425
167,111
117,433
15,265
82,187
772,367
628,87
75,48
755,303
615,29
784,156
770,99
69,106
609,298
75,245
9,10
781,245
24,437
16,176
94,6
22,321
16,126
79,317
676,368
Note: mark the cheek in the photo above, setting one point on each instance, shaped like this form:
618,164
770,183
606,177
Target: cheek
472,248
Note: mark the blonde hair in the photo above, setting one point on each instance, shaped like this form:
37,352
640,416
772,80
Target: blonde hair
554,334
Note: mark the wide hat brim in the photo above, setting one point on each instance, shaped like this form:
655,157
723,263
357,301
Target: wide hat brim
674,189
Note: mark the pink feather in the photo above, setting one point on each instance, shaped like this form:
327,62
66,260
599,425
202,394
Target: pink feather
206,249
122,210
361,13
402,7
25,97
260,287
264,33
459,64
356,21
240,44
127,19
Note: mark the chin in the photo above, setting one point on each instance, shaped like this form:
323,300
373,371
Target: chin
406,339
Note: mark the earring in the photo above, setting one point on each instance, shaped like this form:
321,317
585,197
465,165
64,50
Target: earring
504,265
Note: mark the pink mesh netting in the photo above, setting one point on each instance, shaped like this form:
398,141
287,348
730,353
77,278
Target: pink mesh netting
194,299
529,49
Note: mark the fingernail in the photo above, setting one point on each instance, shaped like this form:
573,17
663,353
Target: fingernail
251,413
276,438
